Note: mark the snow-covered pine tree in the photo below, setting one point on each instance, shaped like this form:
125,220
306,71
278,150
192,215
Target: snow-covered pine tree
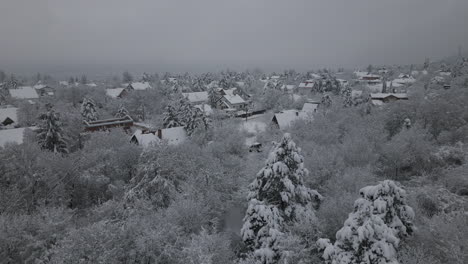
326,101
372,232
347,97
88,110
213,97
49,133
121,112
277,197
170,118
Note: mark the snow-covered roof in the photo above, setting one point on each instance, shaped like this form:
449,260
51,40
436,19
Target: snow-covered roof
404,80
234,99
196,97
64,83
14,135
377,102
307,84
206,108
11,112
39,86
173,135
361,75
445,73
287,117
385,95
379,86
141,85
145,140
24,92
91,84
288,87
310,107
241,84
115,92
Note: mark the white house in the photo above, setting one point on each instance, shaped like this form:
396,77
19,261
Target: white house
144,139
24,92
310,107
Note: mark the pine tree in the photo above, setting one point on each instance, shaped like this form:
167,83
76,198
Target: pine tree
326,101
348,100
49,134
170,118
372,232
88,110
277,198
121,112
212,97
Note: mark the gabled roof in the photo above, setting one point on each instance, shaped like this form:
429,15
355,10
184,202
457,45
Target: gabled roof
385,95
173,135
141,85
196,97
234,99
115,92
307,84
285,118
11,112
24,92
146,139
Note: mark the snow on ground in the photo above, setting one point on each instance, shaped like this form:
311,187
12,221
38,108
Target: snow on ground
253,125
14,135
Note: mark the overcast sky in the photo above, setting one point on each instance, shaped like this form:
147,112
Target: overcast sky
178,35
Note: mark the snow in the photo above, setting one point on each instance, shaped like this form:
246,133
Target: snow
115,92
39,86
253,126
205,108
196,97
64,83
377,102
287,117
361,75
24,92
385,95
173,135
443,73
10,112
310,107
307,84
356,93
91,85
234,99
379,86
141,85
14,135
145,140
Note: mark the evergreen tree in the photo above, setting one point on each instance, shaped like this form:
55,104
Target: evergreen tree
170,118
277,198
348,100
326,101
49,133
88,110
372,232
213,98
122,112
384,84
127,77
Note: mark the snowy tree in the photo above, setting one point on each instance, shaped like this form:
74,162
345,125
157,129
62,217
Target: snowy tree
384,84
326,101
121,112
127,77
88,110
277,198
49,133
170,118
213,98
372,232
348,100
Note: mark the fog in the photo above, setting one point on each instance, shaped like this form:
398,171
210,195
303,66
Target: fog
113,35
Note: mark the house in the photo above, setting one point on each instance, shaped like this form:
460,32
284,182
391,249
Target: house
144,139
286,118
126,122
173,135
404,79
44,90
24,92
196,97
306,87
233,102
380,98
367,77
14,135
139,86
63,83
289,88
116,92
310,107
8,116
91,84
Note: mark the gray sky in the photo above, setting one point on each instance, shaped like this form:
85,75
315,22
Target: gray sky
209,35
